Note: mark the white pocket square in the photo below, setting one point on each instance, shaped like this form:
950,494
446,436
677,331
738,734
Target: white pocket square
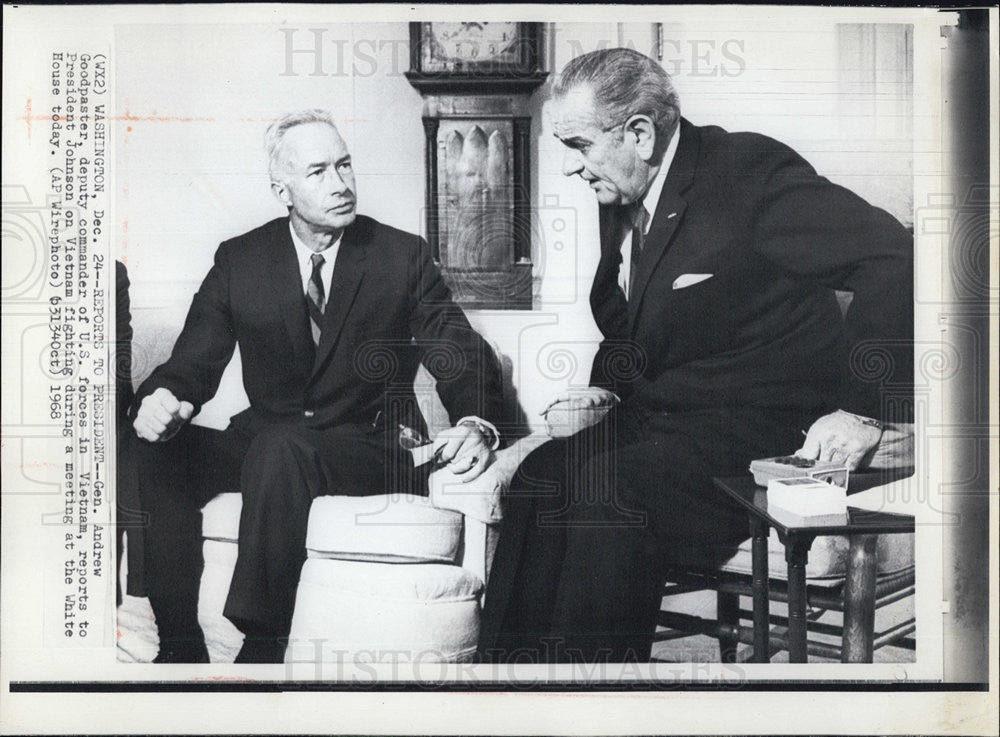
686,280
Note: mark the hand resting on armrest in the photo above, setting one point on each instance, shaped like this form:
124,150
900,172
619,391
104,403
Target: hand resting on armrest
577,409
481,498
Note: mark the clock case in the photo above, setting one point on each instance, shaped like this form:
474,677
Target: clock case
520,75
493,98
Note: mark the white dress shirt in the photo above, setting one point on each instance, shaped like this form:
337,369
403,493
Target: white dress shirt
649,201
304,255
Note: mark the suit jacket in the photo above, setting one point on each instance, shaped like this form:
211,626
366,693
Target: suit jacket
765,329
387,310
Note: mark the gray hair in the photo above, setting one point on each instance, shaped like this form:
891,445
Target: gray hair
624,83
277,130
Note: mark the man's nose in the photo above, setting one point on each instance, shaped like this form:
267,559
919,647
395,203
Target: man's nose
571,163
336,182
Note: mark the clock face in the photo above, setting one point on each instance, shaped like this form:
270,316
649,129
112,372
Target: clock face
458,45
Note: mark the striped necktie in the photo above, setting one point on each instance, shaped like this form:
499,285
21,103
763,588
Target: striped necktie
639,217
316,297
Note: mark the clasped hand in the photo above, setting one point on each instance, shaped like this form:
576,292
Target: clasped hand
161,415
465,450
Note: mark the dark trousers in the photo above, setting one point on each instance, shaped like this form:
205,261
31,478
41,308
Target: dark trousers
279,470
592,521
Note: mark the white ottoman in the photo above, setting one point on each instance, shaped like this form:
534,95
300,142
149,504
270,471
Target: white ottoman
380,584
384,612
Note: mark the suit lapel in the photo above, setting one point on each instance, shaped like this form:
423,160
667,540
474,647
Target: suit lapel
667,217
286,281
348,270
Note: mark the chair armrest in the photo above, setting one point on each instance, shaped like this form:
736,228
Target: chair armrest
895,449
480,498
480,502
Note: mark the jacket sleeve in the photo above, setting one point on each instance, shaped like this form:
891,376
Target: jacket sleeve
464,365
205,345
817,230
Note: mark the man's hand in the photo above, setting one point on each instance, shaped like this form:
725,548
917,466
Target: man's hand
161,415
465,449
576,409
840,437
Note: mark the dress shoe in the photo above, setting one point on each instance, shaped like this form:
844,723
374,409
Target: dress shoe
181,638
186,650
261,648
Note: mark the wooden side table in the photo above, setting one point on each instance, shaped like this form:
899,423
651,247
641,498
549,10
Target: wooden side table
862,529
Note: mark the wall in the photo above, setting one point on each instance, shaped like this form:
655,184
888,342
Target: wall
194,101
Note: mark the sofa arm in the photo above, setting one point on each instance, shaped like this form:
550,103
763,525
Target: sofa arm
480,502
480,499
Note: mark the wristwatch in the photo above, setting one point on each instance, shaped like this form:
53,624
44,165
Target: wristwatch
877,424
486,428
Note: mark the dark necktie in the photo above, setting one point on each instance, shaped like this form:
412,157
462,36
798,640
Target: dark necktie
639,217
316,297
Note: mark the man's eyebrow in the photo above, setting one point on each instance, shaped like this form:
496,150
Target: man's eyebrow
324,164
573,141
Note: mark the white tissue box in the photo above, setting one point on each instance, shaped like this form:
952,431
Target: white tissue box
806,502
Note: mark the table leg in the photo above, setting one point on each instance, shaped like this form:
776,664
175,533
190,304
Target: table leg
761,593
859,600
797,555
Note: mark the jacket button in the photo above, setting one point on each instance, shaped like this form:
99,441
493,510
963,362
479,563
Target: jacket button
308,413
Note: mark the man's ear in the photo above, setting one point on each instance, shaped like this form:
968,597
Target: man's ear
281,192
643,132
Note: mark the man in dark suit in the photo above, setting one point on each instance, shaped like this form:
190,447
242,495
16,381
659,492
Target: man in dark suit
332,313
723,342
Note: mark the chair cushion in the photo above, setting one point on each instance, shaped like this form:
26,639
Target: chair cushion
827,557
389,528
374,612
220,518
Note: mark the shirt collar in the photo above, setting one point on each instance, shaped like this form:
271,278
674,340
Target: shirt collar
652,196
304,253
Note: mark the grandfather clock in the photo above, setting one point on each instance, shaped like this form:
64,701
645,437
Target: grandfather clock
476,80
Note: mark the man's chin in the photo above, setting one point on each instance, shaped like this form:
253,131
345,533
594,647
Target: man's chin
607,197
